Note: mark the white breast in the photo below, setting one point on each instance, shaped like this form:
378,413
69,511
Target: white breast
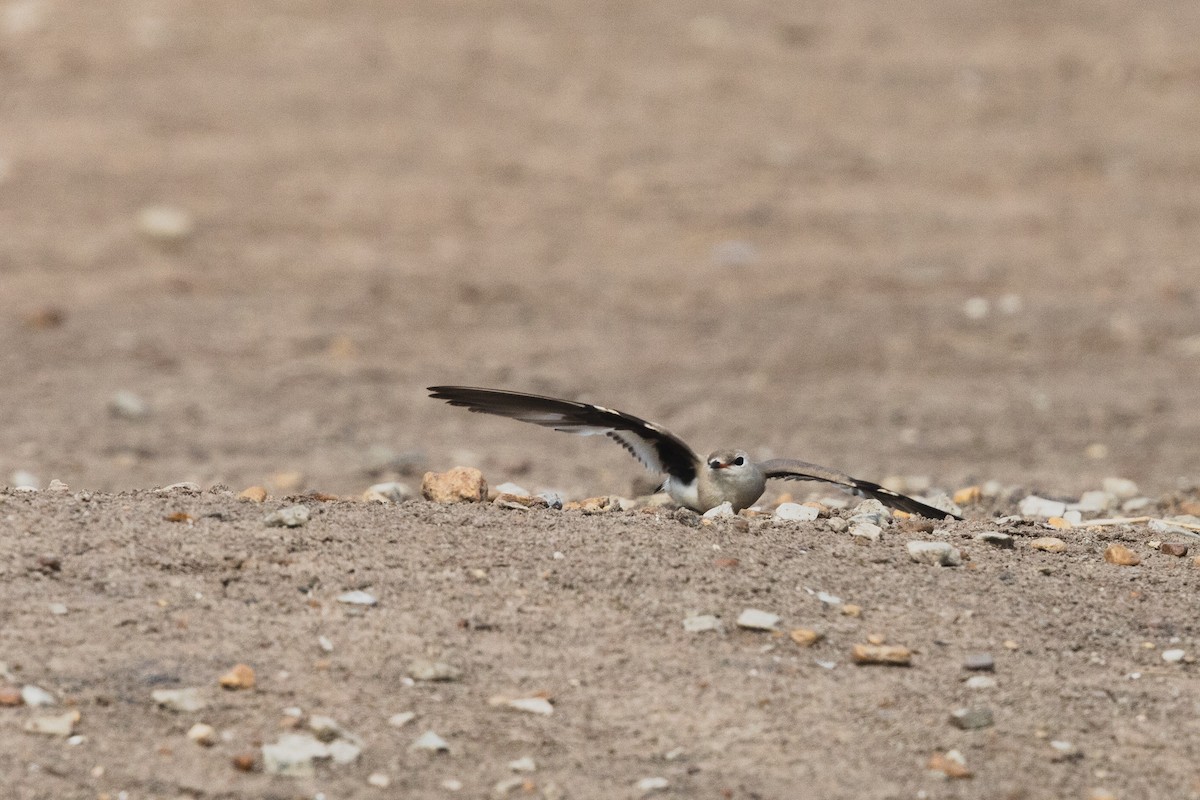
685,494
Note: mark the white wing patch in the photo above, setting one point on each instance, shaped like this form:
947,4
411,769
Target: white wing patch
641,449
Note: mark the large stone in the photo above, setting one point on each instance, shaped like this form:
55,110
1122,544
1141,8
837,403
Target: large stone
1121,555
459,485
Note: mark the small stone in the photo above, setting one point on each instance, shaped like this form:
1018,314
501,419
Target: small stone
430,742
872,511
523,764
981,682
1136,504
651,785
952,764
293,755
183,487
1173,549
167,226
54,724
423,670
506,786
10,696
459,485
1094,502
1121,555
1064,751
509,487
325,644
241,676
380,780
357,598
23,479
244,761
202,734
1165,527
979,662
325,728
1120,488
723,511
852,610
967,496
1049,544
942,553
969,719
255,494
827,599
290,517
806,637
127,405
57,486
1062,523
1173,656
531,705
837,524
452,784
1003,541
519,502
58,609
402,718
699,623
600,505
344,751
886,654
866,532
389,492
37,696
182,700
756,620
1034,506
976,308
794,512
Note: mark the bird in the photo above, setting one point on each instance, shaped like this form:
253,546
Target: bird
725,476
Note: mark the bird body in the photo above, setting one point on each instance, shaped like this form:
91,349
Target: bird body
726,476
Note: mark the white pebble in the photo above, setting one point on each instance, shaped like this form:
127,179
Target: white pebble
794,512
721,511
1034,506
976,308
1094,501
401,719
58,609
357,598
1121,488
532,705
981,682
756,620
942,553
23,479
430,741
867,531
1173,656
380,780
523,764
127,405
655,784
699,623
166,225
511,488
290,517
37,696
325,644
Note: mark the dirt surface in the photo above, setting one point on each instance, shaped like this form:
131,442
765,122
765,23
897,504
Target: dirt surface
940,243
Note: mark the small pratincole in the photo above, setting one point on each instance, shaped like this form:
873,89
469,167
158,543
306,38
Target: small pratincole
726,476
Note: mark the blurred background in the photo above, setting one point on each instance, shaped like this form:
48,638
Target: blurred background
941,241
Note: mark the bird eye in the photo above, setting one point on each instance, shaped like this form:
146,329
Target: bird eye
737,462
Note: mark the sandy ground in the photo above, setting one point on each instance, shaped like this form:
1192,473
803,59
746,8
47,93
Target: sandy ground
939,243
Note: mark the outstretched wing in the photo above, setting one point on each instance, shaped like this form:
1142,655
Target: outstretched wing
658,449
791,470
